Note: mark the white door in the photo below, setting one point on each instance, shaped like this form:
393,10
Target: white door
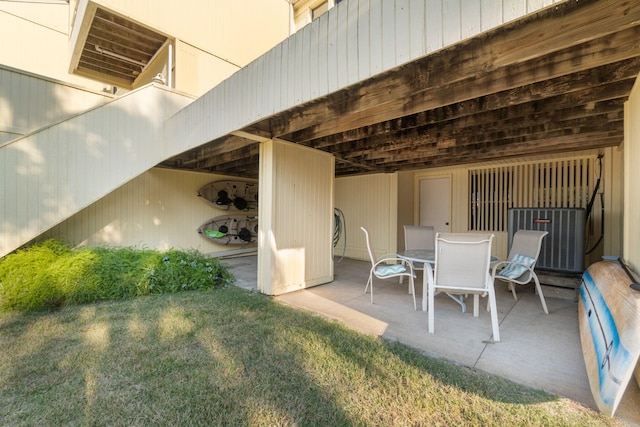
435,203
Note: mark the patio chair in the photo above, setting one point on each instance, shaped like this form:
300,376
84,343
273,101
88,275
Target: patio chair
520,264
418,237
387,267
462,267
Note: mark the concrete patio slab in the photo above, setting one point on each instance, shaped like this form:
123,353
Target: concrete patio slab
537,350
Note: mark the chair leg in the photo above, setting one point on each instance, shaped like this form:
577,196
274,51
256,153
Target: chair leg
401,281
413,291
539,290
425,292
431,309
369,283
476,303
512,287
494,316
427,280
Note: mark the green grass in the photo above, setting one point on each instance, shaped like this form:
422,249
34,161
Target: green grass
51,274
227,356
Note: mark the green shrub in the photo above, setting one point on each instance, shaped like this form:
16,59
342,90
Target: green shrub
176,271
25,276
49,274
121,271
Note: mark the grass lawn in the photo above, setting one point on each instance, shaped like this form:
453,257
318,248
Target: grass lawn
228,356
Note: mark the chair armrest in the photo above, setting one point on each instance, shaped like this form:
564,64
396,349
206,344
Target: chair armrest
395,260
494,267
525,268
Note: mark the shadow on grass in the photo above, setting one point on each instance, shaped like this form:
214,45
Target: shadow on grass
231,357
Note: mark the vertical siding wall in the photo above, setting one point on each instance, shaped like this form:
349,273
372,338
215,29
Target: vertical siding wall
369,201
632,180
351,42
527,194
159,209
406,200
29,102
296,217
613,187
566,183
54,173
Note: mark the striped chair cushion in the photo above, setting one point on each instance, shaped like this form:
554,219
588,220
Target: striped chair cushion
389,270
518,267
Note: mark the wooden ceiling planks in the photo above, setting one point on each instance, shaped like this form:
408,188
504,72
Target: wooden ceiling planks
129,46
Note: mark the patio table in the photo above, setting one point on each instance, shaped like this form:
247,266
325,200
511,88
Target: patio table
428,256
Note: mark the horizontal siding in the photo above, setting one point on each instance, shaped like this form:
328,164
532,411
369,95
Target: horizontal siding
35,39
351,42
58,171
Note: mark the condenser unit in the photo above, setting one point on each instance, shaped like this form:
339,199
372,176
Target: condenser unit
563,248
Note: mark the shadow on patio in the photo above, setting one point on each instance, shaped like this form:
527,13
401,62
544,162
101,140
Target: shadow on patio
537,350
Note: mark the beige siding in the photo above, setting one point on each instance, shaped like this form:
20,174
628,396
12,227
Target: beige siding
210,38
159,209
29,102
60,170
35,38
632,180
216,30
611,185
197,71
405,204
217,27
296,217
631,253
614,204
368,201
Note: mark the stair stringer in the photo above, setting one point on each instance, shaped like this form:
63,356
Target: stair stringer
51,174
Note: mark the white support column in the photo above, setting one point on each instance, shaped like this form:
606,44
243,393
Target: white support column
296,189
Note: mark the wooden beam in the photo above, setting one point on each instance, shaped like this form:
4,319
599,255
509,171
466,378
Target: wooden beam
527,80
228,158
463,62
590,101
527,148
472,141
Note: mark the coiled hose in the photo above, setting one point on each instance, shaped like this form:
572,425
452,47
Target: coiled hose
339,230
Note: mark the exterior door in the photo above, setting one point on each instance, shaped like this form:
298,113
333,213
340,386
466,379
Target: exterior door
435,203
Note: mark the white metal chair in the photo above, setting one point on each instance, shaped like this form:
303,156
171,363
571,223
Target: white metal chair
419,237
520,264
462,266
387,267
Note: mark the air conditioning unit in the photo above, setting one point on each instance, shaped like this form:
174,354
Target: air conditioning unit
563,248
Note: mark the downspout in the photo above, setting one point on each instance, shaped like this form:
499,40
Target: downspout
292,24
170,66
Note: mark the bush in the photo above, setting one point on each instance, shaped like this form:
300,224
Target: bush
50,274
176,271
